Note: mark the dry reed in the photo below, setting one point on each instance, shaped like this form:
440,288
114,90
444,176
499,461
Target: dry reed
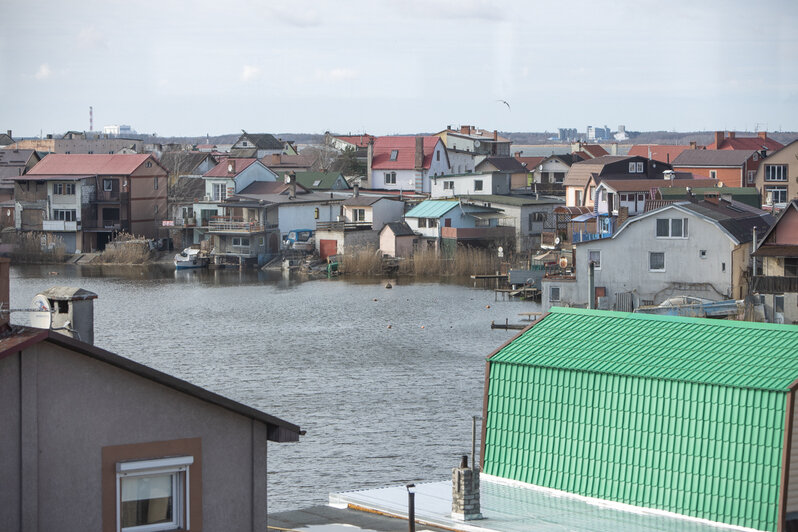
424,263
126,249
34,246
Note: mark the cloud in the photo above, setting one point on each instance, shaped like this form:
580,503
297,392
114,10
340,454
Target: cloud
91,38
302,16
336,74
44,72
249,72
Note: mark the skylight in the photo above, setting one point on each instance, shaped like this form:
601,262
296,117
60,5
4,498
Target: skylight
394,154
317,182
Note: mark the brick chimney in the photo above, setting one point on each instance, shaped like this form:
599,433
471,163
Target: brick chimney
292,184
762,135
419,159
693,145
731,134
369,161
719,137
495,135
276,158
465,130
465,492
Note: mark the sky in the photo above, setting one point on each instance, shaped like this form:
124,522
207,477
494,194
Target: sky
178,68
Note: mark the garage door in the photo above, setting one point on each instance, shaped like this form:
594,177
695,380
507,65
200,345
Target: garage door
327,248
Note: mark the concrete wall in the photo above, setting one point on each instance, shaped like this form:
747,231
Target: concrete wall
464,185
72,406
460,163
384,211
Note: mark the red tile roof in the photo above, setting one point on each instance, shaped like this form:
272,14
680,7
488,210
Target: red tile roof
220,170
95,164
530,162
361,141
747,143
406,152
595,150
658,152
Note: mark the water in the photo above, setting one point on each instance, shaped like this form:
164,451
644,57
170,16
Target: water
384,381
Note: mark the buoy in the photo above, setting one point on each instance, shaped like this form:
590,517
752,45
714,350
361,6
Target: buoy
388,285
375,299
389,326
487,306
422,326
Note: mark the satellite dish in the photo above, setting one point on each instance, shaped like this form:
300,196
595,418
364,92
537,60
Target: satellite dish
476,144
556,240
563,262
41,317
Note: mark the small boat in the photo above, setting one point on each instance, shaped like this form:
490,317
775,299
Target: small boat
190,258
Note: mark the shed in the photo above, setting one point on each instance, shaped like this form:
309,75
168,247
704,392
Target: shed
688,416
397,239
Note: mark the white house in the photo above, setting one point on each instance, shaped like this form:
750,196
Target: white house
406,163
454,221
687,248
229,177
372,211
461,184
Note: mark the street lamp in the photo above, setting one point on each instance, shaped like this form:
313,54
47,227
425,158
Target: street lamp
411,507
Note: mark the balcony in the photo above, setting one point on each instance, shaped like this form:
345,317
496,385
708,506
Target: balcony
342,226
107,196
59,225
767,284
583,236
93,224
226,224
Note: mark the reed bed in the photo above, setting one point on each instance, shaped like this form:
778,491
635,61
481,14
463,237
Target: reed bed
37,247
424,263
126,248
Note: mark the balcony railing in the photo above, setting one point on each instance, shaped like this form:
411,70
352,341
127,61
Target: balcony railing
59,225
582,236
342,226
767,284
237,225
111,225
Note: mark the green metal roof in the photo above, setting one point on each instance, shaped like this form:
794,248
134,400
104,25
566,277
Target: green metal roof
680,414
431,209
721,352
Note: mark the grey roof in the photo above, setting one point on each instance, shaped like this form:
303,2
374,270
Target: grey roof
504,164
5,140
516,201
365,201
712,158
310,197
326,180
244,153
737,218
67,293
183,162
15,157
264,141
400,229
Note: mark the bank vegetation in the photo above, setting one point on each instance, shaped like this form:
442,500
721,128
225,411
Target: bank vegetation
463,261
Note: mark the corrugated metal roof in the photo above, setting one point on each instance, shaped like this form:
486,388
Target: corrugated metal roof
90,164
719,352
678,414
431,209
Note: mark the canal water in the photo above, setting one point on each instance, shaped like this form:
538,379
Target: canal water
384,381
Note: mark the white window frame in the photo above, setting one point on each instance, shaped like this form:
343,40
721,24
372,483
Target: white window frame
394,155
67,215
108,185
240,242
477,184
776,172
640,167
358,215
178,467
218,191
390,178
713,174
685,234
650,253
632,167
782,190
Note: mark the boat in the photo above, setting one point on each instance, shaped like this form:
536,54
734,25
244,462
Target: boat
191,258
695,307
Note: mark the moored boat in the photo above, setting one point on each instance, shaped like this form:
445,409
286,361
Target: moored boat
191,258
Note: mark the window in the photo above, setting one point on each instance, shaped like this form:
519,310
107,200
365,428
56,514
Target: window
64,189
632,168
713,174
240,242
640,168
578,198
671,228
723,266
317,182
448,185
775,172
776,195
108,185
751,176
790,267
243,142
149,164
656,261
477,184
358,215
558,177
604,194
422,222
64,214
536,217
702,253
778,304
394,154
155,183
390,178
437,156
153,494
219,192
594,256
554,293
316,213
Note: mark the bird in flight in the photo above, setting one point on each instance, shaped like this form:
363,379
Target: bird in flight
505,103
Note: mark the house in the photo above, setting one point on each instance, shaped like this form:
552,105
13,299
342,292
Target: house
777,176
582,175
530,216
588,151
81,142
686,248
730,141
6,139
13,163
406,163
508,167
128,445
777,278
256,145
531,164
479,142
615,194
322,181
280,163
452,185
83,200
650,414
229,177
547,175
373,211
747,195
180,163
665,153
443,224
733,168
397,240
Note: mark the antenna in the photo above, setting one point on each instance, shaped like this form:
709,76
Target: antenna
91,118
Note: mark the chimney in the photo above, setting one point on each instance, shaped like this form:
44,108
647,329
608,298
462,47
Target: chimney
719,136
465,492
495,135
355,190
66,310
292,184
448,128
731,134
369,161
8,132
623,215
693,145
275,158
5,315
419,160
517,154
465,130
762,135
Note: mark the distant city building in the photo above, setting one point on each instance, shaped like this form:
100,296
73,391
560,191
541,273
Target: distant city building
621,134
598,133
118,131
568,134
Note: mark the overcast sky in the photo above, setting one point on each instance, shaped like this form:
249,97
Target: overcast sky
400,66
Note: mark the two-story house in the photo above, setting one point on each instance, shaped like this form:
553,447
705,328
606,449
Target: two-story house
776,278
406,163
359,225
508,167
698,249
777,176
230,176
453,185
84,199
584,176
